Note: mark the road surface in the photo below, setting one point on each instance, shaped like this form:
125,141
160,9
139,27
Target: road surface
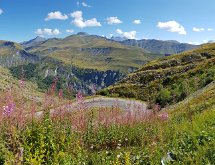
123,104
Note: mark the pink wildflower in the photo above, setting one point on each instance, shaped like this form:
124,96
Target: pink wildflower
21,83
8,109
79,96
164,116
60,94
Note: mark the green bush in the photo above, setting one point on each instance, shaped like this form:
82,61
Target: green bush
164,97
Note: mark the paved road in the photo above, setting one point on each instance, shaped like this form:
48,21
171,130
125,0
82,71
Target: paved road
124,104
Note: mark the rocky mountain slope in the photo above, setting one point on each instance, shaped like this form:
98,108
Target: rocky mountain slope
12,54
170,79
33,42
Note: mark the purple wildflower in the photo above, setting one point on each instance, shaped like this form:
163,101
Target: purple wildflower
8,109
21,83
79,96
164,116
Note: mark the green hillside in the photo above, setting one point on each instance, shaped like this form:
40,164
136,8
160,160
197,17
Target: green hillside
9,48
169,80
29,92
94,52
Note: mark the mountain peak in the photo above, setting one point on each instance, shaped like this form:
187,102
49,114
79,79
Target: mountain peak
33,41
82,34
118,38
39,38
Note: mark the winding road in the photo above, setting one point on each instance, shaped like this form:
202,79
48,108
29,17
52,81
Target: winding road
123,104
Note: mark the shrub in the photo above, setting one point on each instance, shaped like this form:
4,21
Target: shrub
164,97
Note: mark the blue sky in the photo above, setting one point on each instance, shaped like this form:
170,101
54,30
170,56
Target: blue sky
182,20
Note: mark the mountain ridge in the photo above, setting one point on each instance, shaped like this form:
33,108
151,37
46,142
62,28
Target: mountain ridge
159,46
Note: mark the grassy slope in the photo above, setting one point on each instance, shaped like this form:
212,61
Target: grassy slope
68,50
29,92
174,77
9,50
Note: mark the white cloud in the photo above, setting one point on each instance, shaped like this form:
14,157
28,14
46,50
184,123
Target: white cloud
172,26
194,43
56,15
85,5
129,35
205,41
70,31
50,32
210,29
77,3
195,29
1,11
113,20
81,23
137,21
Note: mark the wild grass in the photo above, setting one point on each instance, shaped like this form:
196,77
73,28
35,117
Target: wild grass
105,135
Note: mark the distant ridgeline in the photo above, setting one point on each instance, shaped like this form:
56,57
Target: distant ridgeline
158,46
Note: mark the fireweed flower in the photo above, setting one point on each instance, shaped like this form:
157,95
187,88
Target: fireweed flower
164,116
8,109
21,83
79,96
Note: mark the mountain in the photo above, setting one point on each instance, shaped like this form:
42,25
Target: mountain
93,52
170,79
82,34
12,54
159,47
211,41
119,39
80,61
36,41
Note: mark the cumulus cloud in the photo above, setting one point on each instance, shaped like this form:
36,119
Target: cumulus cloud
129,35
172,26
81,23
113,20
56,15
1,11
137,21
70,31
194,43
210,29
85,5
50,32
195,29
